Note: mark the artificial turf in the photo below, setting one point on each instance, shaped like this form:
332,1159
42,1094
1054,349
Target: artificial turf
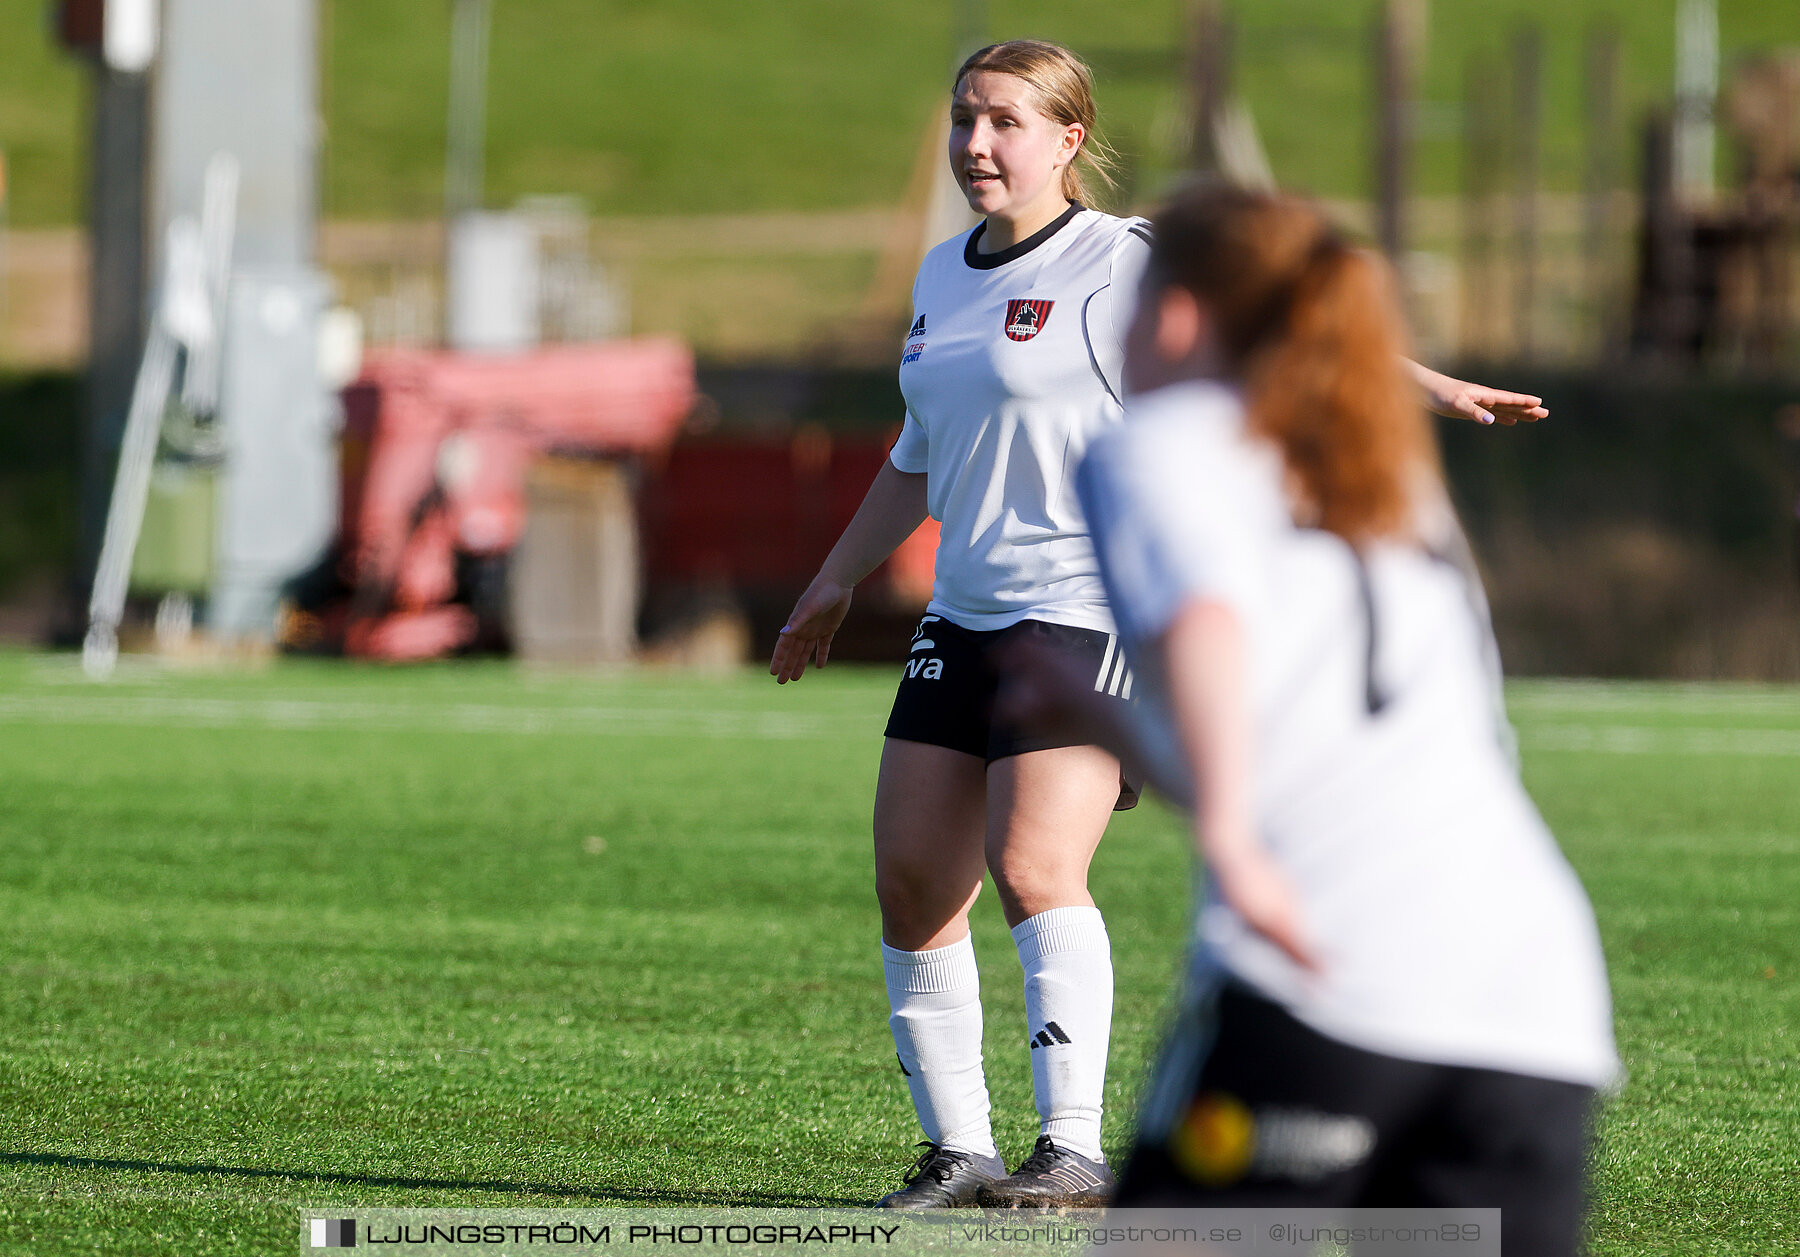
466,934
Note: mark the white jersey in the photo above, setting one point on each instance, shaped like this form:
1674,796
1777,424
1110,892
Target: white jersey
1451,930
1011,368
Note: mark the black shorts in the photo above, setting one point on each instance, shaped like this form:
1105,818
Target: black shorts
1251,1108
947,689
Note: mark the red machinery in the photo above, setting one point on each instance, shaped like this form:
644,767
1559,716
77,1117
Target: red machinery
435,450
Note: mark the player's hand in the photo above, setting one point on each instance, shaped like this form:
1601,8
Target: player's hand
809,629
1259,892
1459,399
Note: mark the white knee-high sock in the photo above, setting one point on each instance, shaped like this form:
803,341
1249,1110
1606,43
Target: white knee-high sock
1067,959
936,1001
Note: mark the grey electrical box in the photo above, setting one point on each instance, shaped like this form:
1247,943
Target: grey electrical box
277,496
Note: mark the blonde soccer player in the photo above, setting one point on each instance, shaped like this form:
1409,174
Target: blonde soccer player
1010,368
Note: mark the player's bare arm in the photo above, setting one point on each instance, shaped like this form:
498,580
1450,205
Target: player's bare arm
891,511
1203,651
1459,399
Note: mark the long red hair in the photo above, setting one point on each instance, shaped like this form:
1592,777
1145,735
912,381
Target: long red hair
1312,329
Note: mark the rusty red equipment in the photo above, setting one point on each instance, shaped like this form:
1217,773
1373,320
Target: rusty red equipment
435,450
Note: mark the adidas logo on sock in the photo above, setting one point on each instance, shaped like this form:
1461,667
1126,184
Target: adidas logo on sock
1050,1034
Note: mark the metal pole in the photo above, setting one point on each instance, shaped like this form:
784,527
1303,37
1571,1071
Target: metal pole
1484,171
2,238
971,29
117,294
470,22
1696,89
125,512
1602,175
1393,96
1528,54
1665,322
1209,72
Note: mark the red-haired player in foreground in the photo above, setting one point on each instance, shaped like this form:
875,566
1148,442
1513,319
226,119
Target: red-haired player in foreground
1397,994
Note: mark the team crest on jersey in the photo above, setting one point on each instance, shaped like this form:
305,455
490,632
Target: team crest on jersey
1026,318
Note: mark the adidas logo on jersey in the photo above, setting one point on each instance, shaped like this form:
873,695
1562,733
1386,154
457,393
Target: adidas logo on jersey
914,346
1050,1035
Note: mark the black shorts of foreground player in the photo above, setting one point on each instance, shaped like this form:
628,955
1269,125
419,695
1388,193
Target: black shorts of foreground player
1253,1108
1397,995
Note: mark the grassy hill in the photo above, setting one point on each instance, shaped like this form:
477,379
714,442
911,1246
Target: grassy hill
696,106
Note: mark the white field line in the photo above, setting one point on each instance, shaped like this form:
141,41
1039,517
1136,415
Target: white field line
633,721
1577,698
307,714
1651,740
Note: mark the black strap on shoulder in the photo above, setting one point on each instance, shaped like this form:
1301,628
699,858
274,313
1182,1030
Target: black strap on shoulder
1374,698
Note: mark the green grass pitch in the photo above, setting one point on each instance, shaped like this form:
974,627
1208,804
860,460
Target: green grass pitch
467,934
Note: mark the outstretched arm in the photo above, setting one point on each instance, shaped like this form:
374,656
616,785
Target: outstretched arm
891,511
1458,399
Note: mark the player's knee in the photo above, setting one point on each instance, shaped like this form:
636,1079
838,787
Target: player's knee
914,894
1030,885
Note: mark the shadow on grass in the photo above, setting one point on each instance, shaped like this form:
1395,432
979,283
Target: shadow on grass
598,1193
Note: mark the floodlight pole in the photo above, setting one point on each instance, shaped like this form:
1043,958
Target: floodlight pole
470,22
971,28
117,287
1528,110
1209,74
1396,40
1696,91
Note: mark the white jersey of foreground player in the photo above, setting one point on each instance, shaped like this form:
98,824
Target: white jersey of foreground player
1448,925
1011,369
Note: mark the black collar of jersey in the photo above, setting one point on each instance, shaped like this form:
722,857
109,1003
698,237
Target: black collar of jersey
1012,253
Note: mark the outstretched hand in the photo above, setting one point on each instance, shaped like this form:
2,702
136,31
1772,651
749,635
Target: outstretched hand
809,629
1459,399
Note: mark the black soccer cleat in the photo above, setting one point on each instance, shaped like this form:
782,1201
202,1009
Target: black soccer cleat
944,1178
1051,1178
